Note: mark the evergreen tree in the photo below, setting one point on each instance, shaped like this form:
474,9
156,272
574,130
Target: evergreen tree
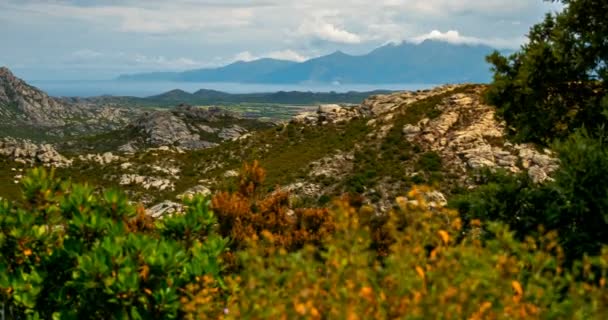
556,82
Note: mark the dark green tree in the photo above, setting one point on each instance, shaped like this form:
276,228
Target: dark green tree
557,81
575,203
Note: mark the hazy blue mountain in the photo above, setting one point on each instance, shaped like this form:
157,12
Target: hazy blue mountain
427,62
236,72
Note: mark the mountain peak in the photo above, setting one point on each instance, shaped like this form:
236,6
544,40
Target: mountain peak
20,102
7,77
338,53
5,71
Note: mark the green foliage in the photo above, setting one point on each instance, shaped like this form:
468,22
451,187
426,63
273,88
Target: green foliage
70,253
575,203
557,82
427,274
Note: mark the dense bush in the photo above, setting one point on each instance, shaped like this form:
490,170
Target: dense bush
71,253
557,82
430,272
67,252
554,91
575,203
245,214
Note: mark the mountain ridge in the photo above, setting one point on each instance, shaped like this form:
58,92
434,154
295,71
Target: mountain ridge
430,61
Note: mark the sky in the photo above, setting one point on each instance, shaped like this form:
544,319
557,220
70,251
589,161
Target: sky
101,39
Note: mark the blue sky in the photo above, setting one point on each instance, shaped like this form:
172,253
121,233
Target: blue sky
100,39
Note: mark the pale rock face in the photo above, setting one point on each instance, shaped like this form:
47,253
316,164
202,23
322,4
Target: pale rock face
147,182
379,107
468,136
409,129
332,166
102,159
435,199
164,209
231,173
128,148
162,128
232,133
328,113
195,191
207,129
307,117
27,152
303,189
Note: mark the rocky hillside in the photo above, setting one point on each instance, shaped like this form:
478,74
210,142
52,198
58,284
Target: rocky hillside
29,112
443,137
188,127
80,126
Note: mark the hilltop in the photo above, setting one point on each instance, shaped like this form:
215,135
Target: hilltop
220,98
29,112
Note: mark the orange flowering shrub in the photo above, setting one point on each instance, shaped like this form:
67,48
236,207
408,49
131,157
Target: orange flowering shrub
431,270
245,215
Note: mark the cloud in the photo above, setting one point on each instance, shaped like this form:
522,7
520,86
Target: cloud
289,55
164,18
453,36
87,58
244,56
177,34
328,32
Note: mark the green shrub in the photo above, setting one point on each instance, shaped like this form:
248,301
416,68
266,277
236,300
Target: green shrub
428,273
429,161
70,253
557,82
575,203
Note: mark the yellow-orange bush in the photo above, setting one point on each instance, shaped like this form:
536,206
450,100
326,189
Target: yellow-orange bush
245,215
430,271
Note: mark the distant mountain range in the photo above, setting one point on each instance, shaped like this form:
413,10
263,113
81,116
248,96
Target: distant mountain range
428,62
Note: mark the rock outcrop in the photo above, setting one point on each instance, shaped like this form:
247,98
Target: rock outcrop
373,107
27,152
329,113
22,102
378,105
187,127
468,136
25,105
162,128
195,191
164,209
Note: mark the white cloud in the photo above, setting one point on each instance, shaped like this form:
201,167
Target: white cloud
244,56
91,58
180,34
164,18
453,36
328,32
289,55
